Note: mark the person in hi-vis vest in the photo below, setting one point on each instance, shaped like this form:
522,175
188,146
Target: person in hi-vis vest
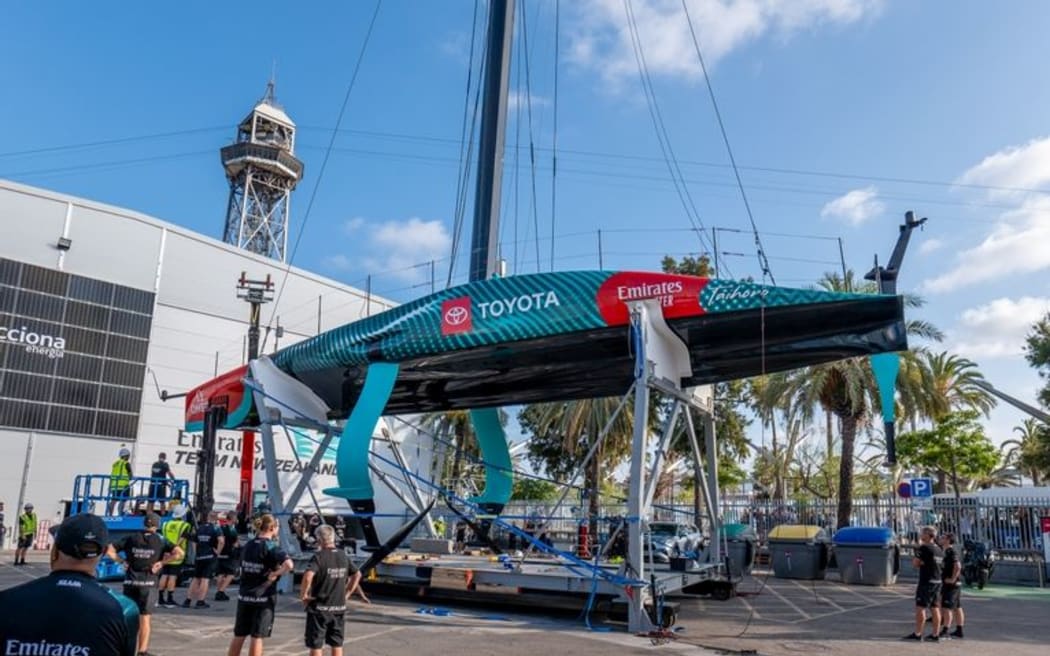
176,531
120,483
26,533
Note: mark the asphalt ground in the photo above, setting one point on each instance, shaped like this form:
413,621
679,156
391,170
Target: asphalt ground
770,617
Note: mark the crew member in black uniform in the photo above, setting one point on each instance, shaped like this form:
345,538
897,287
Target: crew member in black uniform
209,543
928,559
229,557
263,563
69,612
145,554
159,474
329,581
951,591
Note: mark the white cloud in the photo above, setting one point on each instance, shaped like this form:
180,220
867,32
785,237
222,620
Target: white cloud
400,249
1017,242
602,40
1016,245
1024,167
337,262
997,329
855,207
519,99
351,225
930,245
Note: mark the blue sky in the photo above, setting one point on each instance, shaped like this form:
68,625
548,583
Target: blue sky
914,100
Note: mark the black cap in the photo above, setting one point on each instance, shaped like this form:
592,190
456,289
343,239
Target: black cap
152,520
82,536
162,455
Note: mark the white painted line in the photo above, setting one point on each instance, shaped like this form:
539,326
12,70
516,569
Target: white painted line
847,610
846,588
750,609
376,634
787,601
819,597
16,570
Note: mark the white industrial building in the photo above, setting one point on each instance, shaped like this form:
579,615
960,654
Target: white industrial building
96,304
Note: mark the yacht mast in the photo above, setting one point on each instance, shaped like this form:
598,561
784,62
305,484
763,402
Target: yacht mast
485,237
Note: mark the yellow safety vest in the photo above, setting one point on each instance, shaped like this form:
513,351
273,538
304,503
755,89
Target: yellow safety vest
120,475
176,532
27,524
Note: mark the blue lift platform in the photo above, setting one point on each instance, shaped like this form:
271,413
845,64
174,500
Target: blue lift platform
125,512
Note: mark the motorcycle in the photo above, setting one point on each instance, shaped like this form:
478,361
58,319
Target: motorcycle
978,563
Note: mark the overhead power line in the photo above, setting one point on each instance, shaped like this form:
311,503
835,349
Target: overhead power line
763,261
324,165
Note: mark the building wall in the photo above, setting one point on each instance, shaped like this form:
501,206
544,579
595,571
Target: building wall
198,327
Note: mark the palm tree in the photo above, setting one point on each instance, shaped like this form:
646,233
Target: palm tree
955,384
769,395
563,433
1027,453
847,389
457,425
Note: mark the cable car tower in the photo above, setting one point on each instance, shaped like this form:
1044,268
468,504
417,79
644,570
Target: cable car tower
263,170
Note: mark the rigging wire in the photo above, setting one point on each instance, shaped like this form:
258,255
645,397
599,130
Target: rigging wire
517,159
662,136
554,139
111,142
532,141
321,170
466,150
763,262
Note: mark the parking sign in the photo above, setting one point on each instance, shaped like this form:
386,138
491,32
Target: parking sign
921,487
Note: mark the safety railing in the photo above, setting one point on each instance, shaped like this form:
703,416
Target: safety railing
111,496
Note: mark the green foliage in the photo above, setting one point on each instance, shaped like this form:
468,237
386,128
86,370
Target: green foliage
1037,352
955,446
1029,452
688,266
531,489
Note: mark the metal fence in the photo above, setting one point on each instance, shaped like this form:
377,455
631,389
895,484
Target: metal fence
1011,524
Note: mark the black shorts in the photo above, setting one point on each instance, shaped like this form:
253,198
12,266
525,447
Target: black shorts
171,570
123,493
25,541
204,569
323,629
227,566
255,620
158,491
951,597
928,595
142,595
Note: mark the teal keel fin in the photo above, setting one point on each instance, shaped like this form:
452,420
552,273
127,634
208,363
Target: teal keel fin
499,479
351,460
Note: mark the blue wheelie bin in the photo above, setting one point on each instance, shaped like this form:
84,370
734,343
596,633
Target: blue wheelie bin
867,555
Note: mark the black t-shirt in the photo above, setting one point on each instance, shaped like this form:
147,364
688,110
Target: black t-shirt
331,569
207,540
950,559
931,557
229,533
67,613
259,559
142,551
160,469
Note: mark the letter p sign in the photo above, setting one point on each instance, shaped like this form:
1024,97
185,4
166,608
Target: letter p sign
922,487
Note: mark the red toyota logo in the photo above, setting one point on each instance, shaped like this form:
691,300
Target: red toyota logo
456,316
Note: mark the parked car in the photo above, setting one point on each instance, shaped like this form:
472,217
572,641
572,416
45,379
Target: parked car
672,540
